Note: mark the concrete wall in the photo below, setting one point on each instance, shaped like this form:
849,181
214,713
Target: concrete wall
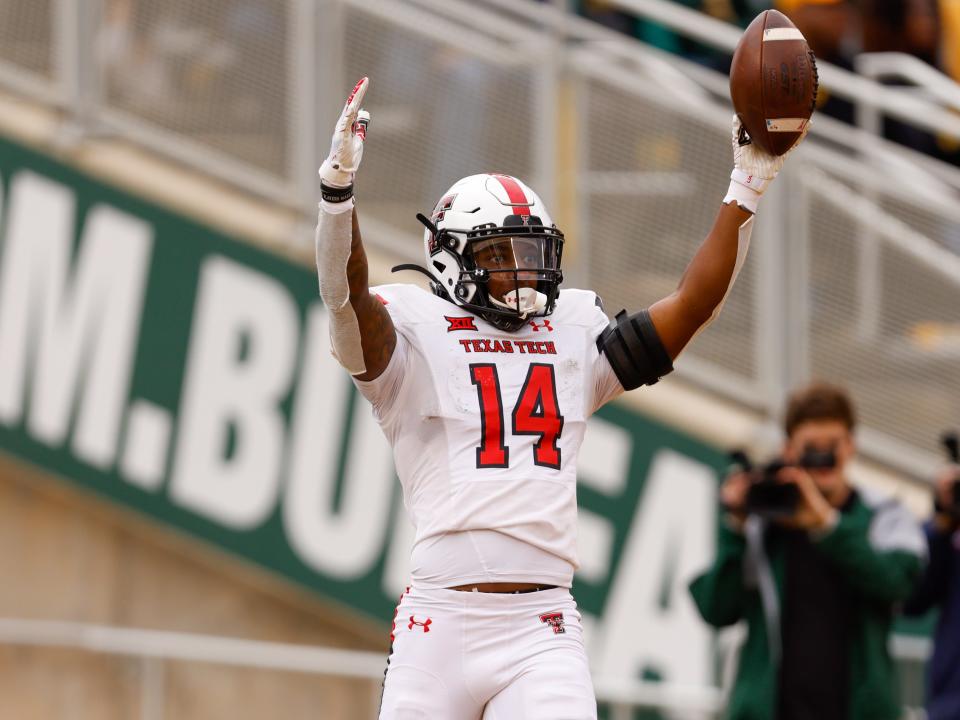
67,556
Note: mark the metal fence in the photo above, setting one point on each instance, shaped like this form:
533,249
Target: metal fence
214,73
850,276
26,36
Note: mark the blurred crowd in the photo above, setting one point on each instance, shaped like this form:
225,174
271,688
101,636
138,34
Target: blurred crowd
837,31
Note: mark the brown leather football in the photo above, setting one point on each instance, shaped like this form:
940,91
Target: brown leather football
773,82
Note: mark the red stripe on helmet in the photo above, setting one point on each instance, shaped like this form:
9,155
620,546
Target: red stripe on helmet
515,194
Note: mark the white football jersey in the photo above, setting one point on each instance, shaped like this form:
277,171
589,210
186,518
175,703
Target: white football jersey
485,427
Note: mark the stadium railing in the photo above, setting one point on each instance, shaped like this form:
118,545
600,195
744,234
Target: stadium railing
153,648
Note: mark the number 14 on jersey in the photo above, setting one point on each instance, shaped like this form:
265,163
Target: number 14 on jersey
536,413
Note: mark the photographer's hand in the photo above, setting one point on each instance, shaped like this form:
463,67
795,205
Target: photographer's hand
814,513
733,498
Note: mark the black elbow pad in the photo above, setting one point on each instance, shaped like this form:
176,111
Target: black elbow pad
634,350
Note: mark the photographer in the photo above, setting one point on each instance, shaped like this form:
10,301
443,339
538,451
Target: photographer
940,588
815,567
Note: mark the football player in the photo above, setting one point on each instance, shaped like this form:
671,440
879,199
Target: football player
483,388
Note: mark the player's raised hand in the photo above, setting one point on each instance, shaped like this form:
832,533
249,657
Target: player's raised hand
753,167
346,147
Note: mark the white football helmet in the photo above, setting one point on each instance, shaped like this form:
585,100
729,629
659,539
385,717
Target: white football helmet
492,248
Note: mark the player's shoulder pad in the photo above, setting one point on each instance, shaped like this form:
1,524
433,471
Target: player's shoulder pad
408,303
634,349
579,307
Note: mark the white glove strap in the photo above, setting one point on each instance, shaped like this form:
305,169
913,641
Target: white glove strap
754,182
742,194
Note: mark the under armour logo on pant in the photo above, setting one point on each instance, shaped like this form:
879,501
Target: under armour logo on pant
425,625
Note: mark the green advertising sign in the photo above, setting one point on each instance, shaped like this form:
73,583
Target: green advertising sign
187,376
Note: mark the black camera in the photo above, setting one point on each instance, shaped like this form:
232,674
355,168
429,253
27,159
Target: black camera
951,443
767,496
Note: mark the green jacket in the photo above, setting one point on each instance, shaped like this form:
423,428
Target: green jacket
879,548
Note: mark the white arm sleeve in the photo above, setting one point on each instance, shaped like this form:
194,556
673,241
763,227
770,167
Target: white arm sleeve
333,239
743,245
606,383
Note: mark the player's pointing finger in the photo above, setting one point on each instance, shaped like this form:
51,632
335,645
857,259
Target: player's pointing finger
356,96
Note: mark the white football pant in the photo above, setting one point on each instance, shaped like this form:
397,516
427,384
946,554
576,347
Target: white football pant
468,655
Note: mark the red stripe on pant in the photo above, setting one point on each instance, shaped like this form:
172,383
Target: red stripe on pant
393,625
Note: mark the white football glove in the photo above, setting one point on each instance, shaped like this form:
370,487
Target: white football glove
346,147
753,167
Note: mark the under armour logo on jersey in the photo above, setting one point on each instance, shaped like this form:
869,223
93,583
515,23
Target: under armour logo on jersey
554,620
460,323
425,624
544,324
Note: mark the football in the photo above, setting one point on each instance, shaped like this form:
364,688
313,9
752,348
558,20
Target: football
773,82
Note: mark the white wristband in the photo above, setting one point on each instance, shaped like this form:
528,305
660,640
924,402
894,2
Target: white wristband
335,208
742,195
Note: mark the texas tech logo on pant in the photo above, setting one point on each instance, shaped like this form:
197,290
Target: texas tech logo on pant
554,620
